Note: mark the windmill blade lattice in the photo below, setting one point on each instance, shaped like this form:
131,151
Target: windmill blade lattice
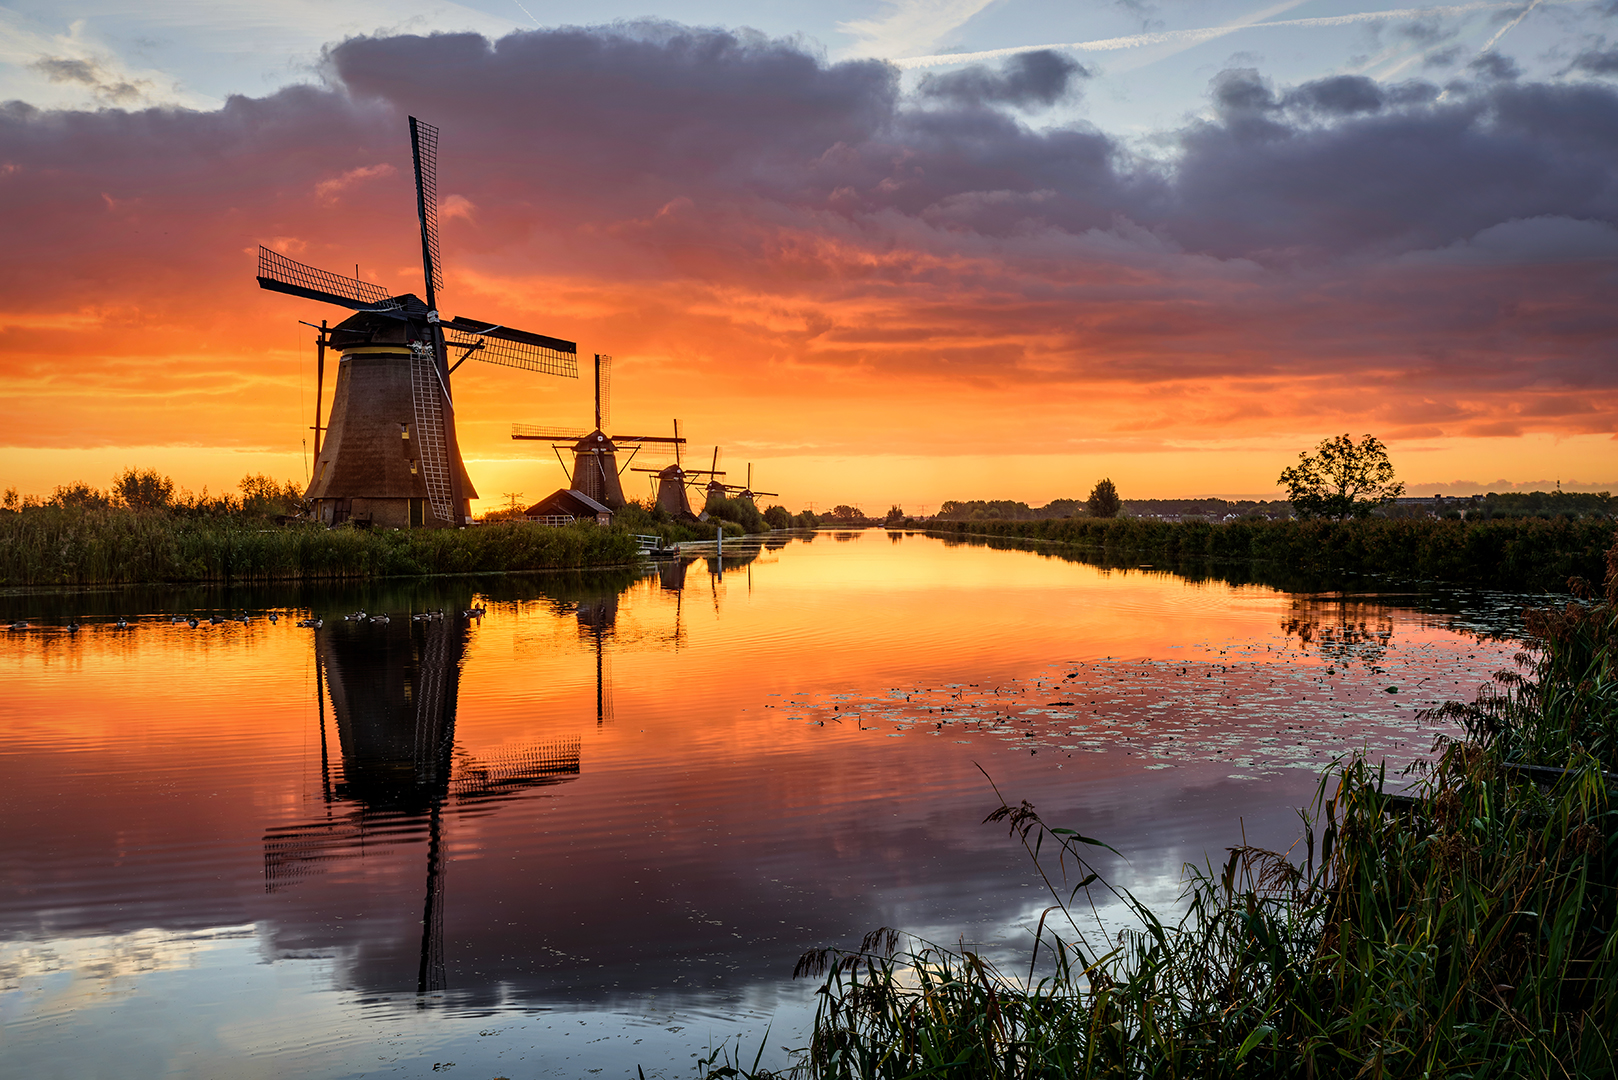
427,397
494,344
541,432
278,273
424,150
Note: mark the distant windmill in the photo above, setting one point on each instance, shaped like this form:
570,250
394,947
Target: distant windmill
672,481
747,492
596,470
391,456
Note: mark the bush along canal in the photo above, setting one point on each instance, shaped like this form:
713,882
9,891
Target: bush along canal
67,546
1510,553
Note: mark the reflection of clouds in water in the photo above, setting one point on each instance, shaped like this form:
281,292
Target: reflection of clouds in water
75,972
1254,707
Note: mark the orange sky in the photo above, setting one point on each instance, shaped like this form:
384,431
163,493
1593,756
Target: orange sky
875,297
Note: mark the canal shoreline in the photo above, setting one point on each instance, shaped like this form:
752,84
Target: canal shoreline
1521,554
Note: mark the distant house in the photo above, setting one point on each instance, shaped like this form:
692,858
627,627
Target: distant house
565,506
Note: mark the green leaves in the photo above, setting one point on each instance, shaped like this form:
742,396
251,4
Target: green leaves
1341,479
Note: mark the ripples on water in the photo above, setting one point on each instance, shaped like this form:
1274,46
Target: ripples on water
595,827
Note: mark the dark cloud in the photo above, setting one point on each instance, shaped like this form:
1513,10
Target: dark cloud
106,86
1428,31
735,193
1442,58
1491,65
1424,175
1242,90
1026,80
1597,62
1342,95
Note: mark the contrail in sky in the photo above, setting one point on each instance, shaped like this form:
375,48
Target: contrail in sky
1136,41
1508,27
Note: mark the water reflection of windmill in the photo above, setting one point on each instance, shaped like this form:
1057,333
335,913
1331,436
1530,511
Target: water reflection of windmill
391,457
393,690
596,472
598,619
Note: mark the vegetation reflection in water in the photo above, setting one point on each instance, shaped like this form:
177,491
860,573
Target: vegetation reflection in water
590,801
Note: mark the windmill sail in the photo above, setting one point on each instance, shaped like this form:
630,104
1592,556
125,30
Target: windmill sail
278,273
603,390
512,348
424,151
542,432
427,396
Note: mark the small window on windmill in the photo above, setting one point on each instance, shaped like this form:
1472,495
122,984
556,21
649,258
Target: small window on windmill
404,431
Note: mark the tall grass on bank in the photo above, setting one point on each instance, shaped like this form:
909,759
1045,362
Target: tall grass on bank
1568,712
1517,553
68,546
1468,928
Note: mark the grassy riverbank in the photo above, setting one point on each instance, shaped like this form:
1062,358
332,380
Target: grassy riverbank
69,546
1519,553
1465,931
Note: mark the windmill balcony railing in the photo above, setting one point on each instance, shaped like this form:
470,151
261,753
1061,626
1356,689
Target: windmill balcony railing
552,519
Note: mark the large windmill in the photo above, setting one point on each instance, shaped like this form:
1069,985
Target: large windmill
596,471
390,456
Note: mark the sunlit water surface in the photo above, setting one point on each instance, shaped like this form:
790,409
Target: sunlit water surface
594,828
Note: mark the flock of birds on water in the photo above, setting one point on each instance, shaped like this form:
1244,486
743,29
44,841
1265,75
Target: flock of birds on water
313,622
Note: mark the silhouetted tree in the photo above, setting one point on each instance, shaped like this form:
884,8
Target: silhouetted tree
741,511
80,496
895,516
262,495
1104,501
1341,479
143,489
843,512
778,517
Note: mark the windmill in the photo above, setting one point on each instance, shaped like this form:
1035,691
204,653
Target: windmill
390,456
746,491
596,471
672,481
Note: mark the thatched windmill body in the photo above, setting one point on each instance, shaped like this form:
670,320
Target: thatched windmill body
596,472
390,456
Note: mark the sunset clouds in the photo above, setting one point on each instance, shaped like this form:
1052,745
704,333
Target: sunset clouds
810,259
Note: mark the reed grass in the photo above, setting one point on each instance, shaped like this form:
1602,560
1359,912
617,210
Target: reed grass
1515,553
1466,928
70,546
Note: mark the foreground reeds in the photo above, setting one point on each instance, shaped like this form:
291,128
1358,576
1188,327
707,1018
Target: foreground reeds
1516,553
72,546
1466,928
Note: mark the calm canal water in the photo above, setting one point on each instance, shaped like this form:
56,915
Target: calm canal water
594,828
